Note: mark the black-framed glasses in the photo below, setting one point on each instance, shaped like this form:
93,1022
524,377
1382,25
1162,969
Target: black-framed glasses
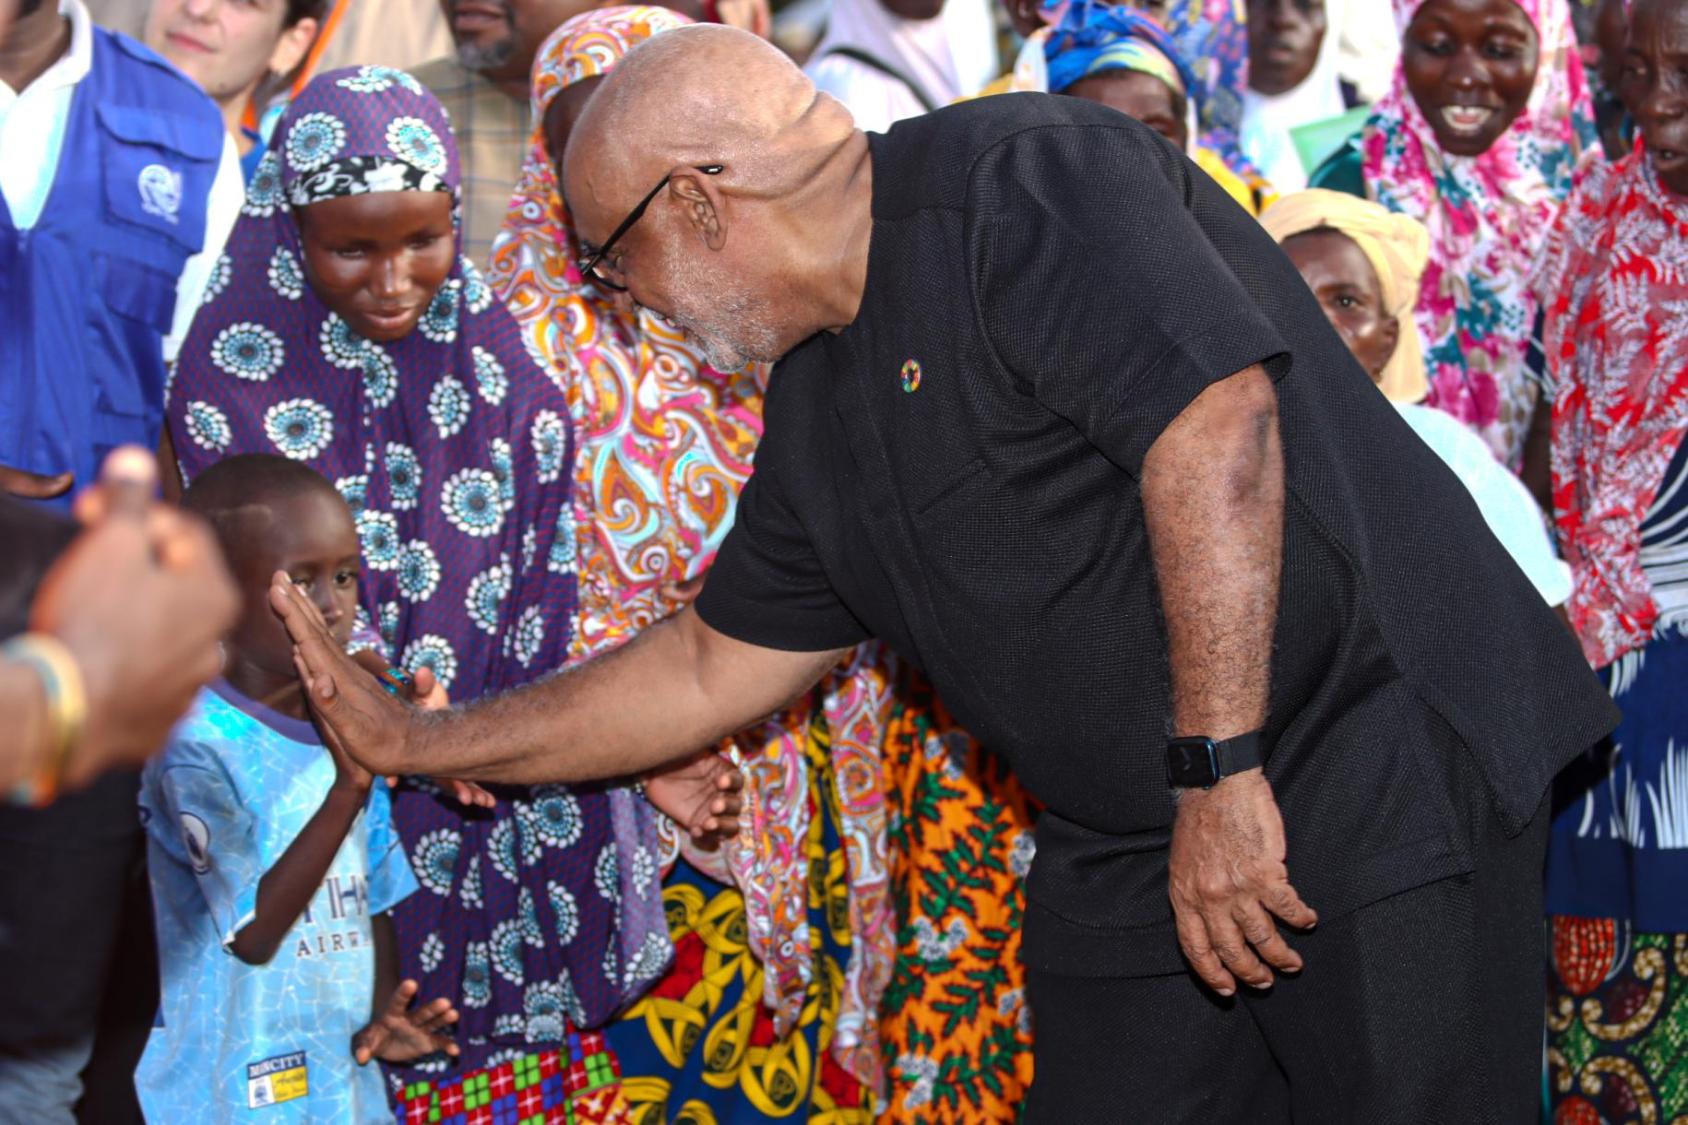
589,264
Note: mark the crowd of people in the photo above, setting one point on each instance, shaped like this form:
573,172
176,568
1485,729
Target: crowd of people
483,630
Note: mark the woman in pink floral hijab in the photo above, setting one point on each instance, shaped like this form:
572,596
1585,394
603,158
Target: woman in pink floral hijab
1477,138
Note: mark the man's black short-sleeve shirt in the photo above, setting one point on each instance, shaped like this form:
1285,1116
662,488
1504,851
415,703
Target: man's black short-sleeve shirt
1049,285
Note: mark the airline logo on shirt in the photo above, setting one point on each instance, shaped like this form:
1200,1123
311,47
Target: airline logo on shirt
335,920
276,1080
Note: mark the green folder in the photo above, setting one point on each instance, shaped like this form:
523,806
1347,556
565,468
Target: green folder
1316,141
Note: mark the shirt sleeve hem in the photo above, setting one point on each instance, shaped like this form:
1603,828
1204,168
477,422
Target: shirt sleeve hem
775,628
243,915
402,888
1188,368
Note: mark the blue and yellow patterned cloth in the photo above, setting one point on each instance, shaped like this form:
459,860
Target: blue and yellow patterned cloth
1096,38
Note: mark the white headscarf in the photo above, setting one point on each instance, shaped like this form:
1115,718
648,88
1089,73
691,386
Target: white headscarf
1267,120
1370,47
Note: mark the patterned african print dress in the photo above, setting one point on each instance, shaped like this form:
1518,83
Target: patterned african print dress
957,1028
1617,877
1488,217
1614,282
452,448
785,941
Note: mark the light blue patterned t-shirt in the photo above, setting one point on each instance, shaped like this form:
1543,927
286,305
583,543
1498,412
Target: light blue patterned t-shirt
260,1043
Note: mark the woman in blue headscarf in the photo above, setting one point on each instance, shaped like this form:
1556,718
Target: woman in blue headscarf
1123,59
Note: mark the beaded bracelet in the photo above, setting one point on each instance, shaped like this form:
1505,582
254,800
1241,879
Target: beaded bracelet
395,680
67,710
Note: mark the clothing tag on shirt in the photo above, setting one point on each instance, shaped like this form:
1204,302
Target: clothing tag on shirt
276,1080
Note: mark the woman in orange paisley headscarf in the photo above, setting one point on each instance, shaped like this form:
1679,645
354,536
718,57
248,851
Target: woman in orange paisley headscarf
785,941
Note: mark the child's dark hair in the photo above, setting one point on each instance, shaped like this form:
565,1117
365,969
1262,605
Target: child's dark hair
305,10
244,482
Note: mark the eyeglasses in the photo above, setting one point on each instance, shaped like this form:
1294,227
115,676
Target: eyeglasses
589,264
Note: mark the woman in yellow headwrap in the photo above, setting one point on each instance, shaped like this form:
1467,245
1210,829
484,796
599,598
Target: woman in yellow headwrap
1363,262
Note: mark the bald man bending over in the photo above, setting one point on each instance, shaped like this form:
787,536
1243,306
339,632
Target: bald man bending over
1058,422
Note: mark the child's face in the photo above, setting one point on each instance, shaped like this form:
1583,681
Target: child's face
310,536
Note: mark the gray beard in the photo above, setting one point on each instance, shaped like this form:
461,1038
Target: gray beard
490,56
722,356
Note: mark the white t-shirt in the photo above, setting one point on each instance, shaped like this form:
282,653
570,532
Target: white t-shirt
949,56
32,125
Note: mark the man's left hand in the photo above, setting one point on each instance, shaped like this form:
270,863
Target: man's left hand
1228,880
701,795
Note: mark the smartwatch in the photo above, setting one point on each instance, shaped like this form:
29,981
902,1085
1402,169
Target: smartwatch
1201,762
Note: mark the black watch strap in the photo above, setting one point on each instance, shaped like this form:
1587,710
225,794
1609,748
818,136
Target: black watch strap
1240,753
1200,762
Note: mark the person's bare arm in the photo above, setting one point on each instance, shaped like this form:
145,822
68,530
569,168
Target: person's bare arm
1213,500
1537,471
33,486
287,887
676,688
169,469
386,961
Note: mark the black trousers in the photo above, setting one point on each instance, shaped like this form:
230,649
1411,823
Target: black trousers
1422,1008
78,962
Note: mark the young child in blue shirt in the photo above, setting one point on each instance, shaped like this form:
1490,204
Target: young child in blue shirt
273,857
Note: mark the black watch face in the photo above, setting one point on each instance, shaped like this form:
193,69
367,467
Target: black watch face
1192,763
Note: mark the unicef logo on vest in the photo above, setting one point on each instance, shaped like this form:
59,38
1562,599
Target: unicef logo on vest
161,191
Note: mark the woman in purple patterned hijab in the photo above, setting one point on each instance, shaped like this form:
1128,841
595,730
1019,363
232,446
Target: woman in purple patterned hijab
344,328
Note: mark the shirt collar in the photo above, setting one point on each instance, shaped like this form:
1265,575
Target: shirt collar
70,67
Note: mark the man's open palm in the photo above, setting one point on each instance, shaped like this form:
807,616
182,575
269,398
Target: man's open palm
356,715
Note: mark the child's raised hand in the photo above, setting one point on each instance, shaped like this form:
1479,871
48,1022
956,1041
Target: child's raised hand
421,690
466,793
702,794
402,1033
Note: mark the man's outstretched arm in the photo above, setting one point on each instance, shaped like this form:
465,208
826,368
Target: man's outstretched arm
676,688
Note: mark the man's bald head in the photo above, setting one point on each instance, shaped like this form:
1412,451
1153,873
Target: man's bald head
704,94
746,142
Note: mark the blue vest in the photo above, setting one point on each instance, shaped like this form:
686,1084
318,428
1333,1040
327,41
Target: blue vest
88,294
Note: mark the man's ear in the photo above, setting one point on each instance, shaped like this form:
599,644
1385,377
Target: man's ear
703,204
